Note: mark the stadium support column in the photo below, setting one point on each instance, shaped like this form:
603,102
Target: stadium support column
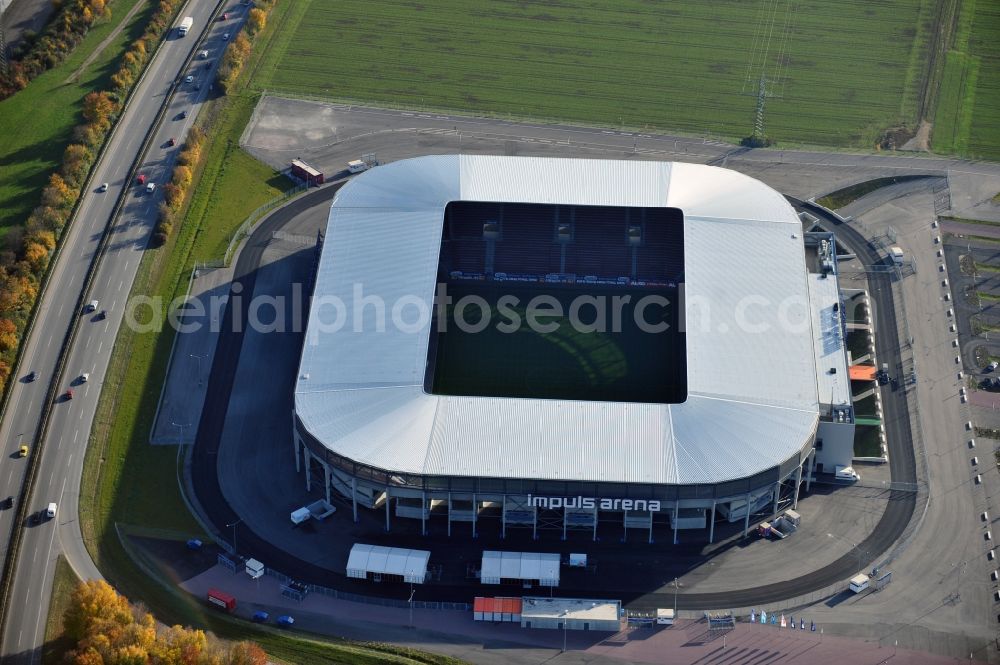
387,500
326,477
798,483
746,520
711,527
305,459
423,513
677,516
810,467
354,497
777,496
565,518
534,523
475,513
449,514
503,520
295,442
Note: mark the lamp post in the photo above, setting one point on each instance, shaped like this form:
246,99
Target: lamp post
181,428
198,358
233,525
675,599
410,601
565,616
854,545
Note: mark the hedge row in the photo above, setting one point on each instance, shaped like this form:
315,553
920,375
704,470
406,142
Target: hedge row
229,69
62,34
24,262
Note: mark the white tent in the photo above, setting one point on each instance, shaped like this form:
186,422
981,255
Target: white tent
540,566
411,565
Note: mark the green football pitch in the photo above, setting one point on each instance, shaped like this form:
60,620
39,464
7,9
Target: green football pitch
588,357
838,73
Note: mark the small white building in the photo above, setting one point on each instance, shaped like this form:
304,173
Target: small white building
571,613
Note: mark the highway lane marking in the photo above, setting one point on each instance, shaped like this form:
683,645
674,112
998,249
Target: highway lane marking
120,285
76,433
69,462
100,346
45,573
49,343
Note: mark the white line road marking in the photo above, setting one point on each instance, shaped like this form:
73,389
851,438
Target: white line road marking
120,285
49,343
76,433
99,346
69,462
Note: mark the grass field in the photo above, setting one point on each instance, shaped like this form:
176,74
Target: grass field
36,124
967,121
847,71
567,362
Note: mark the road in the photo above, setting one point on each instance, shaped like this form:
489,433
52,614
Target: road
64,448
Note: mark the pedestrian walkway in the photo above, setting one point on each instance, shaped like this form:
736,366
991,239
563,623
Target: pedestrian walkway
455,633
183,396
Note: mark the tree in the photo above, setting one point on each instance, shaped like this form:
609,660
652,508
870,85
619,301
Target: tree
256,20
182,176
57,194
92,602
4,373
8,335
246,653
98,108
36,255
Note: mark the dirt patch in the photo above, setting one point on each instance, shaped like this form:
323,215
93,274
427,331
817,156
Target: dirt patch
921,141
895,137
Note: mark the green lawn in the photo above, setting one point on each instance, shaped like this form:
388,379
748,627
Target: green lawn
36,124
867,442
967,121
847,70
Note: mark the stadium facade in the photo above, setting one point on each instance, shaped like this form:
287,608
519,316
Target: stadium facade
766,399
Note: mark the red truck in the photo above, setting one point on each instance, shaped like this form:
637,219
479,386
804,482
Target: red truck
222,600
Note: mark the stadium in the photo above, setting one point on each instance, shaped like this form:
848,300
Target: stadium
570,344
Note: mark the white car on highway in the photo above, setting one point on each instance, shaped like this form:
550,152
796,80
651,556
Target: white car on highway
150,187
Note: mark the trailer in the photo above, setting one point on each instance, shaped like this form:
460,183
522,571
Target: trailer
859,583
221,599
356,166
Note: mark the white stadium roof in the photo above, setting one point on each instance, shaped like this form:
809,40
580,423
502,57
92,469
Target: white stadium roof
752,396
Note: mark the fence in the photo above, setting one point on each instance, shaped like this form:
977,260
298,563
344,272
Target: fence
246,227
371,600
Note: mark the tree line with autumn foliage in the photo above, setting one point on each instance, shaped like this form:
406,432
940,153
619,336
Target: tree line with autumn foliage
40,52
27,249
230,66
107,630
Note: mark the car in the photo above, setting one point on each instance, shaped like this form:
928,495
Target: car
171,142
994,365
32,375
260,616
150,188
286,621
68,395
91,306
141,179
84,377
184,114
8,503
103,314
50,510
202,54
22,451
189,78
224,17
225,37
104,187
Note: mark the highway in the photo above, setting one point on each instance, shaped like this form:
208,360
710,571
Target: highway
63,450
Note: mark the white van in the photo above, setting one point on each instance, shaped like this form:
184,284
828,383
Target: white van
356,166
847,473
50,512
